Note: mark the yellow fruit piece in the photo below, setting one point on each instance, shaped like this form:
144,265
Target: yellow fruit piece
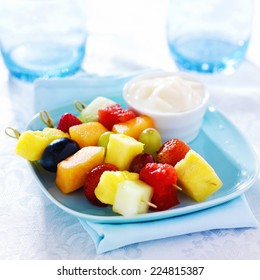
134,126
196,177
121,150
132,198
31,144
107,186
87,134
72,172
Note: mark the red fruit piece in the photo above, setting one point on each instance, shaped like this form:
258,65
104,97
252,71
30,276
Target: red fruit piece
92,181
158,175
165,198
140,161
114,114
161,177
172,151
66,121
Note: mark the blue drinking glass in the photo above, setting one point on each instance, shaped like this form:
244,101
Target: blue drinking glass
42,39
209,35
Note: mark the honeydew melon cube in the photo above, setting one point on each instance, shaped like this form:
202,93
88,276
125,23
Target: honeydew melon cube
90,113
196,177
108,183
122,149
131,198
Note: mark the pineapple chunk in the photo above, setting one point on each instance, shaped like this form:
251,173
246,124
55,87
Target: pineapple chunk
121,150
196,177
131,198
108,182
90,113
31,144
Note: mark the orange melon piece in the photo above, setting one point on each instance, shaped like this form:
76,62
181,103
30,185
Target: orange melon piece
72,172
87,134
134,126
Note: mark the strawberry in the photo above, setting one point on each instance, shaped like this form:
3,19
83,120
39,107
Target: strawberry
114,114
92,181
158,174
165,198
172,151
66,121
161,177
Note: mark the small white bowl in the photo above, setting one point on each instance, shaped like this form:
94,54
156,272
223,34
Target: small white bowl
183,125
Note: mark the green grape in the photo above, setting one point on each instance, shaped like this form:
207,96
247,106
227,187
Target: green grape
152,141
104,138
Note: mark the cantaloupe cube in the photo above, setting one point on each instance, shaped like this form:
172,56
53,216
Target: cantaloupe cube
71,172
196,177
87,134
134,126
121,150
108,182
31,144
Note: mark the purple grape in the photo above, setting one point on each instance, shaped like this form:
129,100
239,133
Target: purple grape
57,151
140,161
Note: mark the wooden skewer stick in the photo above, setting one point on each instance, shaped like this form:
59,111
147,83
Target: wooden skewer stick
149,203
80,106
12,132
46,118
177,187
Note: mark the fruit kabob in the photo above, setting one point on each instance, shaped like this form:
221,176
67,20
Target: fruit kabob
118,158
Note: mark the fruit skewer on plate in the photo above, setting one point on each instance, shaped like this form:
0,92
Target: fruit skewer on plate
145,170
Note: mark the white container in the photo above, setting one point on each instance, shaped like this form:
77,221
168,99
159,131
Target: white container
177,102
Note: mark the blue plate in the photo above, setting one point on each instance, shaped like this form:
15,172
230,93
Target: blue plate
219,142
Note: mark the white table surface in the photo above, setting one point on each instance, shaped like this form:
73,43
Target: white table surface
33,228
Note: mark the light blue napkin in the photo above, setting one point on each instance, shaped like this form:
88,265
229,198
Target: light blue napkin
233,214
51,93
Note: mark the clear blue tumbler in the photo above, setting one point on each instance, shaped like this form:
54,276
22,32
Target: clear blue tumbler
209,35
42,38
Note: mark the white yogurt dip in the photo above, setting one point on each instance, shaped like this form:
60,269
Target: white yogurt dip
177,102
168,94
